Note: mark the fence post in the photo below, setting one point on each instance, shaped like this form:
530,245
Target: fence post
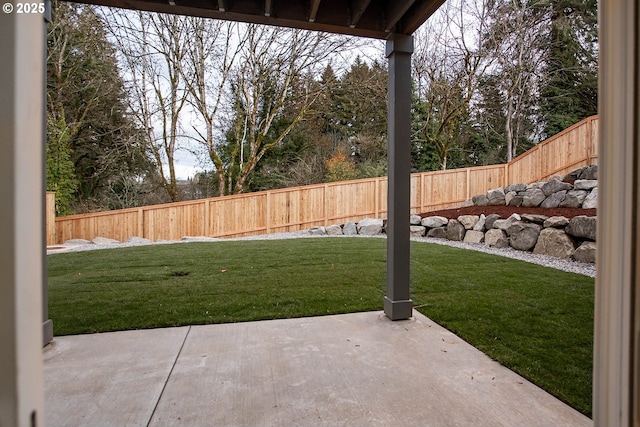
505,180
50,203
468,184
376,197
540,164
141,222
205,222
268,212
588,142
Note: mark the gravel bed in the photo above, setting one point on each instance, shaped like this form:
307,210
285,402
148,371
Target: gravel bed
544,260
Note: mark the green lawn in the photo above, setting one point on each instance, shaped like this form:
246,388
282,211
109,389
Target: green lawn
535,320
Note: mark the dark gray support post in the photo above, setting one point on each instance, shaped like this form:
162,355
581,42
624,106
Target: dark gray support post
397,303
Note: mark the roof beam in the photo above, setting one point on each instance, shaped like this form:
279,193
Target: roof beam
267,8
221,6
395,11
418,15
358,8
313,9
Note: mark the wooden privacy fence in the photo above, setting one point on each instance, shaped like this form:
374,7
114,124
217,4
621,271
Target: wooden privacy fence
298,208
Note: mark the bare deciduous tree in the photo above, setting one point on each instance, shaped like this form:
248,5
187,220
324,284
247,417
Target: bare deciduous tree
152,48
517,38
268,73
449,61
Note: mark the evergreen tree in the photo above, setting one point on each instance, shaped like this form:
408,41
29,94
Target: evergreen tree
569,91
92,146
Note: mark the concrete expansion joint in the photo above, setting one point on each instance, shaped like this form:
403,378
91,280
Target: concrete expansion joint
166,381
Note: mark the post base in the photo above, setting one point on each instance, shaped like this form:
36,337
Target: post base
398,310
47,332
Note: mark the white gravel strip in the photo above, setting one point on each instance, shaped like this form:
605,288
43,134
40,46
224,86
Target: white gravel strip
544,260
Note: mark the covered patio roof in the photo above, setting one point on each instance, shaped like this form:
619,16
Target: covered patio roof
366,18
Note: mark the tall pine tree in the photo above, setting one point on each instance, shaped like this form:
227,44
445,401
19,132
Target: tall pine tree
569,90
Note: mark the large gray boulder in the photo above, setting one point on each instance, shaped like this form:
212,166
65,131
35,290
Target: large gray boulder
554,242
583,227
496,238
516,200
504,224
556,222
554,185
490,220
554,200
586,252
585,184
370,227
515,187
480,200
334,230
574,199
438,233
495,197
318,231
536,185
585,172
523,236
350,229
415,219
434,221
532,198
472,236
480,224
455,230
591,201
535,218
469,221
588,172
417,230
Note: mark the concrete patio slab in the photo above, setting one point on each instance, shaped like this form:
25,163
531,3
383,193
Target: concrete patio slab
109,379
347,370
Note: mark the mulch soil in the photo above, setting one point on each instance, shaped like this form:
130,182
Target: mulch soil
506,211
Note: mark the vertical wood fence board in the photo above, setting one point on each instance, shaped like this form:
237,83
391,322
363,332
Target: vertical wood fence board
415,202
247,216
524,169
383,189
118,227
278,211
447,186
312,203
484,179
217,216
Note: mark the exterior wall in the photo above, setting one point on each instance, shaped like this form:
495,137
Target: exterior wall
21,219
